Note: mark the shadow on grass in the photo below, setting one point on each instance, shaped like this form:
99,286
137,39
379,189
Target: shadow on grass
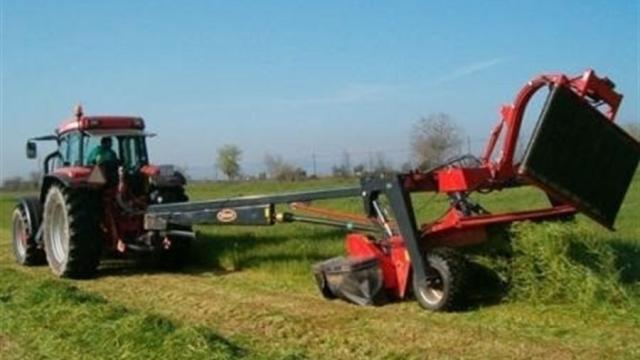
484,287
626,259
136,265
243,250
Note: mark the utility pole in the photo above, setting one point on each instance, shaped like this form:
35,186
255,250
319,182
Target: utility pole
313,156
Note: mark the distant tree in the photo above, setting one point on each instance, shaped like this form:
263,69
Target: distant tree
381,165
633,128
13,183
344,169
34,179
30,182
274,165
281,170
300,174
435,139
359,169
228,160
406,167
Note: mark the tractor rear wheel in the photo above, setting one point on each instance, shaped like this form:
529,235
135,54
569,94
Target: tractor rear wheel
446,281
26,222
71,231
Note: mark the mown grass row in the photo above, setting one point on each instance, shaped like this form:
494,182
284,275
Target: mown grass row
49,318
566,263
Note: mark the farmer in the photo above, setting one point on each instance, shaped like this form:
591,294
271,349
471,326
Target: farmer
103,153
104,156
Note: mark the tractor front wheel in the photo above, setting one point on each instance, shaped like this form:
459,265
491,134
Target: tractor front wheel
26,222
71,231
444,287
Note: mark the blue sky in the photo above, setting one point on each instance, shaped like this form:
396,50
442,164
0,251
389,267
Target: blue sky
296,77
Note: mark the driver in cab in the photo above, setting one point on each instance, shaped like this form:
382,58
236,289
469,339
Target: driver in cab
103,155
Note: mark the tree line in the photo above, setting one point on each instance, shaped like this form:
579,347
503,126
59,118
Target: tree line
17,183
434,139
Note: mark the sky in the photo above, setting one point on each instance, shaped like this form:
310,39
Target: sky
295,78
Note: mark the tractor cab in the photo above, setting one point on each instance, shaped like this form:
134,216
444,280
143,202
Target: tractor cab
97,185
99,151
92,150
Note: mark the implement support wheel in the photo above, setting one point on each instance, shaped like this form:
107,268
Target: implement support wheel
446,281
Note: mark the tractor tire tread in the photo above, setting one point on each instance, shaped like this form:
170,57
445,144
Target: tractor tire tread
455,273
85,241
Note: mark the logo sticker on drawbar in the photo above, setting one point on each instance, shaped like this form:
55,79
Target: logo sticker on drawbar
227,215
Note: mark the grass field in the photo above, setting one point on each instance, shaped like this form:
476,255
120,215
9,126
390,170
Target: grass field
249,293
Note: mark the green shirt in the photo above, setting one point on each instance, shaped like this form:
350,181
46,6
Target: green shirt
101,155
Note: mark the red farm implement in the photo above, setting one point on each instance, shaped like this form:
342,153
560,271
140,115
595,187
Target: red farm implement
577,156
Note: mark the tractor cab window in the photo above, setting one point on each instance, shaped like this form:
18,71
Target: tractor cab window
133,152
63,146
99,149
73,154
69,149
130,151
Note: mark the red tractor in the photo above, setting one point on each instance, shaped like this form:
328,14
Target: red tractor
92,198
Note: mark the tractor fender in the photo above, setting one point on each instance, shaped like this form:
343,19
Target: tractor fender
49,180
59,179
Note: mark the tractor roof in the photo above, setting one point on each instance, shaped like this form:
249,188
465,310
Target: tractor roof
100,123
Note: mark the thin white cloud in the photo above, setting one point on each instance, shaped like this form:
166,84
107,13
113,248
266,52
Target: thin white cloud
349,94
352,93
472,68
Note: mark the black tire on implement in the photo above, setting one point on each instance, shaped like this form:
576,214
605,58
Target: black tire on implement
446,284
71,232
176,256
26,222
